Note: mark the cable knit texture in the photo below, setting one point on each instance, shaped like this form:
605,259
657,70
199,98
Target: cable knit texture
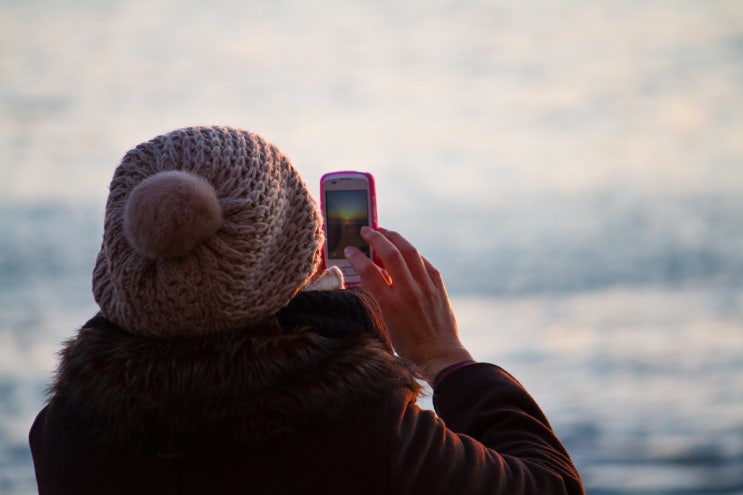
207,229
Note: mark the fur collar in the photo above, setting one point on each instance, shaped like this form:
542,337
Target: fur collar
323,357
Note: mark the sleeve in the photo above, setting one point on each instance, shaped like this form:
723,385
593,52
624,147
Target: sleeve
490,437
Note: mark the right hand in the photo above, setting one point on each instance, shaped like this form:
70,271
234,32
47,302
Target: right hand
413,299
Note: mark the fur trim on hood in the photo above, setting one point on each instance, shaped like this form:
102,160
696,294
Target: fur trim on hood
321,358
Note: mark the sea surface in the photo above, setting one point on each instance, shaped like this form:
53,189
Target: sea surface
573,167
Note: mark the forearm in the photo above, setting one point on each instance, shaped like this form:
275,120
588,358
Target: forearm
486,403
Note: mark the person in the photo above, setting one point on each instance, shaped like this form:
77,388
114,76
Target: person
225,360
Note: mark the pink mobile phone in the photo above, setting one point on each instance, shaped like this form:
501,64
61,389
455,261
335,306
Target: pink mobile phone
348,202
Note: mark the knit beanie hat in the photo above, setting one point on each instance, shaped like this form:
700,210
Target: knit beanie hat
207,229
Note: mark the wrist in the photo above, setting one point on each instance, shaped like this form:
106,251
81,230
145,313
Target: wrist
441,375
432,368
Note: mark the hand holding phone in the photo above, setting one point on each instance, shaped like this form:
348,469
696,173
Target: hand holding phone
414,302
348,202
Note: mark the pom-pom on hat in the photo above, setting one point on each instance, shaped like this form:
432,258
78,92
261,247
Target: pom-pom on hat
207,229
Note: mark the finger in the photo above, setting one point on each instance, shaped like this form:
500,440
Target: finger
372,277
392,260
433,273
412,257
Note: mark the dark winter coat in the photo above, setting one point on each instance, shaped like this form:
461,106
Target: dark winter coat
311,402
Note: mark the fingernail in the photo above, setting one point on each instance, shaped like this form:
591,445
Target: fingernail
365,230
348,251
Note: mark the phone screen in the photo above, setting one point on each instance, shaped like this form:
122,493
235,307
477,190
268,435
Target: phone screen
347,212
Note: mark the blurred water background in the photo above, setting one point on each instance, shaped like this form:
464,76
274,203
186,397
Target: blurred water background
574,168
